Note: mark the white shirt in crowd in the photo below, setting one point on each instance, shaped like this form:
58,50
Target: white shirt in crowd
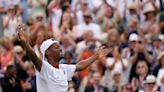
51,79
11,29
82,28
118,65
57,13
82,45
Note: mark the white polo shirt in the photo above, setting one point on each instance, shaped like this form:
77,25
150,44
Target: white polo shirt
51,79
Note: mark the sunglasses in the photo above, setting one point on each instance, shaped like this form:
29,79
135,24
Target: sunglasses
39,18
88,17
151,83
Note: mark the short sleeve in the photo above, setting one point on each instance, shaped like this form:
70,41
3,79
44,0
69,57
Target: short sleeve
46,69
69,70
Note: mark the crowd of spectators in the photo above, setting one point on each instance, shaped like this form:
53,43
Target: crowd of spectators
132,30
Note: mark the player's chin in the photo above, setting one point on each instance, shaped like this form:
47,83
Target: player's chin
61,56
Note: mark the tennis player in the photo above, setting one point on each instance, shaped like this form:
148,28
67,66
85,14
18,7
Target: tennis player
52,76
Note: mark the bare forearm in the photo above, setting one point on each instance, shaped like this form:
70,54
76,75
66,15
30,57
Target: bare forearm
85,63
52,4
148,57
5,23
134,58
37,62
123,65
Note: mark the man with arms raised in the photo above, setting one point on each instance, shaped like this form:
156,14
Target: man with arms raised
52,76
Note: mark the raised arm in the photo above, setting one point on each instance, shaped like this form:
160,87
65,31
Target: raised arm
24,40
81,65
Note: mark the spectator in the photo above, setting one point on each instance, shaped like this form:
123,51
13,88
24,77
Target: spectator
68,58
113,64
95,86
6,55
11,21
87,80
150,84
156,49
10,82
37,6
20,62
30,84
142,70
160,69
112,38
83,8
65,27
88,25
115,85
127,88
138,52
160,64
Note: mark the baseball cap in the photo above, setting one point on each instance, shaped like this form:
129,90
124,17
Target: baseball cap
133,37
18,49
150,79
45,45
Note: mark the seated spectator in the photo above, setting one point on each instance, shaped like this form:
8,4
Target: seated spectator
127,88
87,80
10,83
68,58
116,85
6,55
30,84
21,59
96,86
150,84
142,70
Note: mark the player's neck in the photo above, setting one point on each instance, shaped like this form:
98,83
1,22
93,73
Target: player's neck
54,63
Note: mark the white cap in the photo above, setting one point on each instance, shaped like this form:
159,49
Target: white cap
150,79
133,37
18,49
45,45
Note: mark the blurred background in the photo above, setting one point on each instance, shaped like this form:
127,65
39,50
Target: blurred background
132,30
